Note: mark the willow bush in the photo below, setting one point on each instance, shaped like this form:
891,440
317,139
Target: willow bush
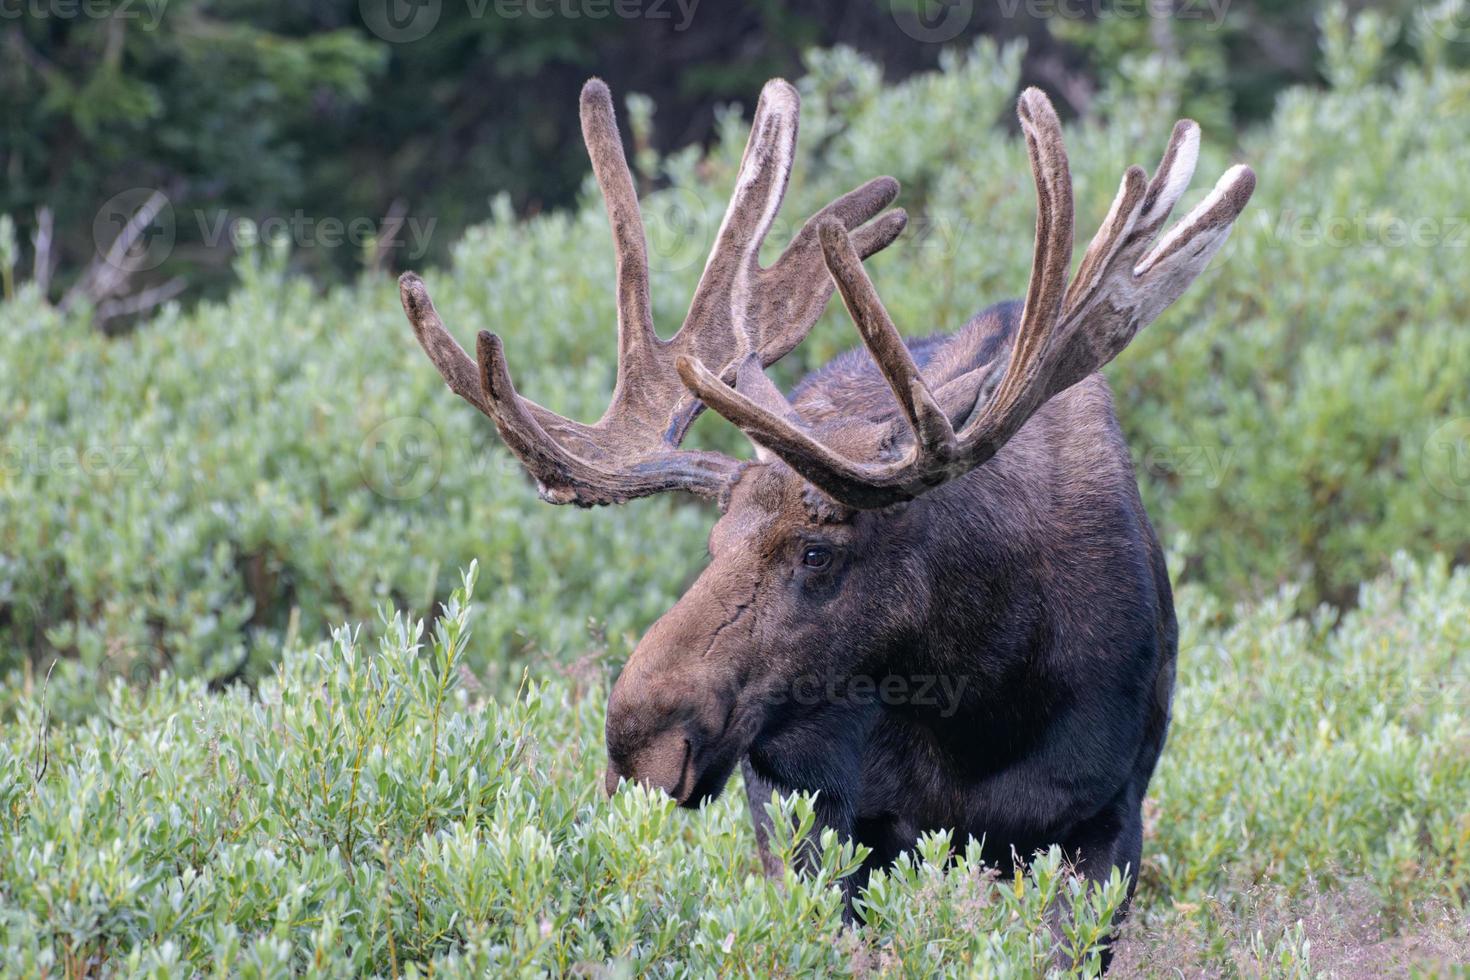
226,479
372,808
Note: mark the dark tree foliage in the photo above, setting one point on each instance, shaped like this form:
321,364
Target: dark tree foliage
322,116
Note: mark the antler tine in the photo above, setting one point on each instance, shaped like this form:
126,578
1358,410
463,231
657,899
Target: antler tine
773,309
797,287
1135,283
1171,179
740,310
488,387
1051,257
542,457
1121,219
930,425
636,336
1212,216
1140,209
455,366
1064,334
765,170
722,297
840,478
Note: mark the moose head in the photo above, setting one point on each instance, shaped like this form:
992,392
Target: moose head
836,548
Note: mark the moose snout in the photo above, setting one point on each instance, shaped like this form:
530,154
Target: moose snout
670,713
665,762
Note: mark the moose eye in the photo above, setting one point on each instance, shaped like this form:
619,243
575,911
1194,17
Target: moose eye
816,556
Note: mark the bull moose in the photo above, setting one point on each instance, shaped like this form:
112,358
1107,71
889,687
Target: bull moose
960,508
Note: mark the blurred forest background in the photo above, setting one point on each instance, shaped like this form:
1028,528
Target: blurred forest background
219,442
390,125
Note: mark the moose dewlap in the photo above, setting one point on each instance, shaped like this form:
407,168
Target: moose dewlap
934,596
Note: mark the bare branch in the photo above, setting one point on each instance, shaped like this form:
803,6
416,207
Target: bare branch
140,302
41,240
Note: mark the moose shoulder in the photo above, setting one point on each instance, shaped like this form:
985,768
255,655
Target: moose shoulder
934,596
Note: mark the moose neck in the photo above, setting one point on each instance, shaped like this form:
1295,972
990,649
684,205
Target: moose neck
1009,557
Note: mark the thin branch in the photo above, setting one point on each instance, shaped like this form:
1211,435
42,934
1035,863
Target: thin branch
119,257
107,274
388,234
139,302
41,239
43,745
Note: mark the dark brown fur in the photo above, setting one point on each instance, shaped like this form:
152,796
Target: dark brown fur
1035,585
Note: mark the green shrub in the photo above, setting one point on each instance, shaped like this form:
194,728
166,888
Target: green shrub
192,494
1321,748
363,813
369,809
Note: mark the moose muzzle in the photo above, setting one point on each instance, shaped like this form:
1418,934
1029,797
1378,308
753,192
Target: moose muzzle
673,718
666,762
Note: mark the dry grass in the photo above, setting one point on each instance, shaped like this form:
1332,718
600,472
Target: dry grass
1347,936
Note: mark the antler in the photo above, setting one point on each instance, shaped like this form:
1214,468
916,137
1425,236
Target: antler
742,318
1065,333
